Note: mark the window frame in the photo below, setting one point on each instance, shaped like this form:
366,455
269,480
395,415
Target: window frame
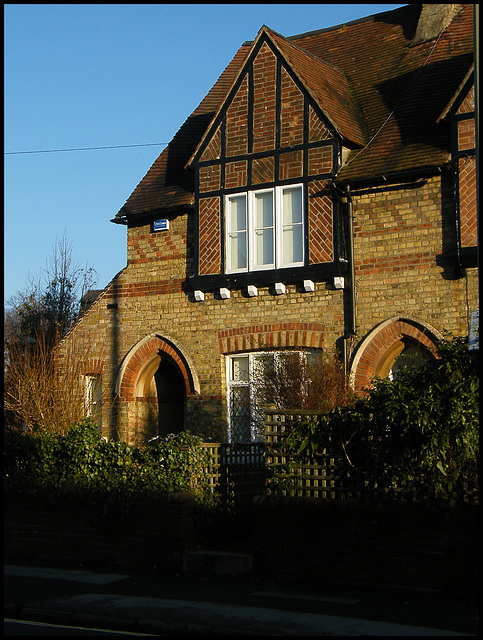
254,357
251,229
93,397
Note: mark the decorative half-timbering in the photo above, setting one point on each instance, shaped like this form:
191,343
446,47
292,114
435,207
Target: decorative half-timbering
264,171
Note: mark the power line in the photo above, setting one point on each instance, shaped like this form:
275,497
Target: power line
119,146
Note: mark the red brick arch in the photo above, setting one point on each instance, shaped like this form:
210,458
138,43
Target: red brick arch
383,341
142,355
272,336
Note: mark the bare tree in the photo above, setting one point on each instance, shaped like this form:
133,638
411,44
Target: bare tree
50,303
304,381
38,394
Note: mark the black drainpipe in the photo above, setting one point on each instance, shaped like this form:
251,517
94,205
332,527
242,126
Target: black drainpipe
350,323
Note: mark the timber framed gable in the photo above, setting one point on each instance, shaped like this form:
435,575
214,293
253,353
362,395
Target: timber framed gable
269,133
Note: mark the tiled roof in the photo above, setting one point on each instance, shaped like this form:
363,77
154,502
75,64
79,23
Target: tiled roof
382,91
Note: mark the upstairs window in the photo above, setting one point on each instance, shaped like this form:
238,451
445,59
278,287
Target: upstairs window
264,229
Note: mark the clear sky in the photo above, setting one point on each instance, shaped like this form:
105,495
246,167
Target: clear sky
110,75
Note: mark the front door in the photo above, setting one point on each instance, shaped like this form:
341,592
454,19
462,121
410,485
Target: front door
171,395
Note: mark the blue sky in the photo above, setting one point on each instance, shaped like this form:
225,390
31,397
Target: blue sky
108,75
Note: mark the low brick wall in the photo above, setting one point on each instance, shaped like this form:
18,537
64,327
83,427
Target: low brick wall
152,533
358,542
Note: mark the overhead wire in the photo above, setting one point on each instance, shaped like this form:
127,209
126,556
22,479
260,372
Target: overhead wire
119,146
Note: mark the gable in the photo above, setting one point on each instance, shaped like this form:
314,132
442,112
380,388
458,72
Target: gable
275,64
269,132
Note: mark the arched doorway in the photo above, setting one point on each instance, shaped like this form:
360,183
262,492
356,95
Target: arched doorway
395,343
153,384
171,397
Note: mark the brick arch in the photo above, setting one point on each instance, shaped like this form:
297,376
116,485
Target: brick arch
385,341
140,360
272,336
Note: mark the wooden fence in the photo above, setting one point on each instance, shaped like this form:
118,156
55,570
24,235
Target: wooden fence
242,471
238,471
329,475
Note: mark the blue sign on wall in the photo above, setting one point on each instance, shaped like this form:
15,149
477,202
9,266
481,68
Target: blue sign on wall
161,225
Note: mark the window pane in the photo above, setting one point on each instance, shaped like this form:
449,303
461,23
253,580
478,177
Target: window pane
292,244
264,228
239,369
240,414
238,251
238,214
264,246
292,226
292,206
237,233
264,209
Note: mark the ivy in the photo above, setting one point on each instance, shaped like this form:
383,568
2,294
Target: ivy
83,463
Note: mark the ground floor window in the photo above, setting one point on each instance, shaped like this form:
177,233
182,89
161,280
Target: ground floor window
252,380
93,397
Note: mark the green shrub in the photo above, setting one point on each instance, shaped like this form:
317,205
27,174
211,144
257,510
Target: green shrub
83,463
416,436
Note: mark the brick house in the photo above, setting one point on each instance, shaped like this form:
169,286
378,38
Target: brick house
321,197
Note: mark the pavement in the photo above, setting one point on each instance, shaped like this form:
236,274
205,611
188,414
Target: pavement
222,596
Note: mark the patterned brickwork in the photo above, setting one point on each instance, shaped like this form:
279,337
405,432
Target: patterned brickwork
210,178
317,129
291,165
263,170
236,174
237,122
210,249
320,160
466,134
467,196
264,73
320,224
292,113
213,148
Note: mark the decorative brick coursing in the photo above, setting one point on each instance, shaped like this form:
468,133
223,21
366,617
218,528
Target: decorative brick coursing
145,354
381,342
270,336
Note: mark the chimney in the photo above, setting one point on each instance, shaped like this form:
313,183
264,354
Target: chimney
434,18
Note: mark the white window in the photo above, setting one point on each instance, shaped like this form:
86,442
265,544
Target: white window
246,376
93,397
265,229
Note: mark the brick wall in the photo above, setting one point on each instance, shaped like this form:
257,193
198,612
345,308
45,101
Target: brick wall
153,535
389,544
